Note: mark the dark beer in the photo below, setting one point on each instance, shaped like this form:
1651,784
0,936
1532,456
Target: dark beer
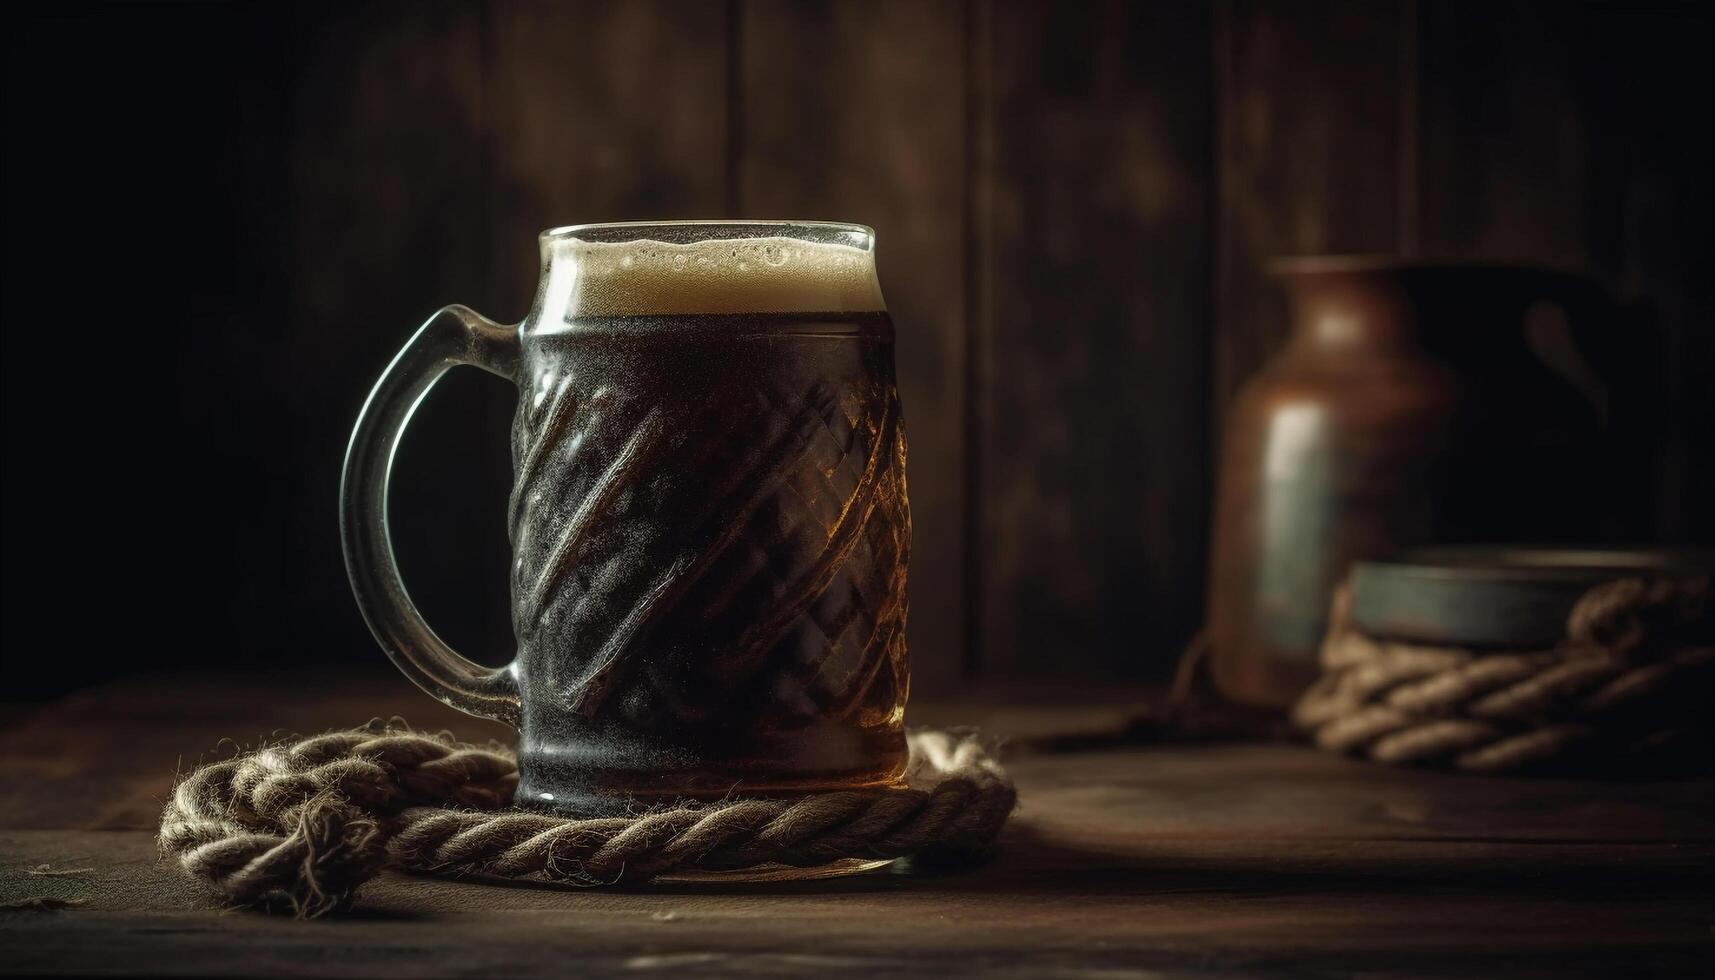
709,523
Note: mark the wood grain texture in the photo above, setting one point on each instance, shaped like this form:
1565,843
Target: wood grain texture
1214,860
854,111
1074,207
1535,150
1152,908
1308,107
389,198
1092,485
601,112
1505,137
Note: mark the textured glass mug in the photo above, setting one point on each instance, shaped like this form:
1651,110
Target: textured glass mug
709,521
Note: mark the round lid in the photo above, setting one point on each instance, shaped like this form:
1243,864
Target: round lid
1497,596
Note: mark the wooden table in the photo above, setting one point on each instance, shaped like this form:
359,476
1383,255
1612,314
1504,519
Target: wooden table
1211,860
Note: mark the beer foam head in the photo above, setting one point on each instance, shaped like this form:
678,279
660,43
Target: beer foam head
763,268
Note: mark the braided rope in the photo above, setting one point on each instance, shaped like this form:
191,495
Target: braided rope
1634,675
301,826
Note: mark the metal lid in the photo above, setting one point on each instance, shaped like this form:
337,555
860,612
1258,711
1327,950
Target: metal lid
1497,596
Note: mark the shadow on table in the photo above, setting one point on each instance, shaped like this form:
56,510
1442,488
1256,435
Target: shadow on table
1031,862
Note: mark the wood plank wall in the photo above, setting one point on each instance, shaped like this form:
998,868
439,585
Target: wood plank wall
1074,204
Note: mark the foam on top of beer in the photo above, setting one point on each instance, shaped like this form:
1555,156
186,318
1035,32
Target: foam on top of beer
718,276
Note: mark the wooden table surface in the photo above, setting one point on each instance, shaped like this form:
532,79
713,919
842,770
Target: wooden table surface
1187,860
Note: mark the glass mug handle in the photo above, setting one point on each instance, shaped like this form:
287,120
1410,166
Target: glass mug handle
453,336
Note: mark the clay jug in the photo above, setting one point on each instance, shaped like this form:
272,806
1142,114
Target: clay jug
1412,404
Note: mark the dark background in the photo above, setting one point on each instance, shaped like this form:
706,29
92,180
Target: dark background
222,220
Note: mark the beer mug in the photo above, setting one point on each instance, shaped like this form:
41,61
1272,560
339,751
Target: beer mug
708,517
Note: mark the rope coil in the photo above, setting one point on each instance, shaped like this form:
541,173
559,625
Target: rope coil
1633,678
303,825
